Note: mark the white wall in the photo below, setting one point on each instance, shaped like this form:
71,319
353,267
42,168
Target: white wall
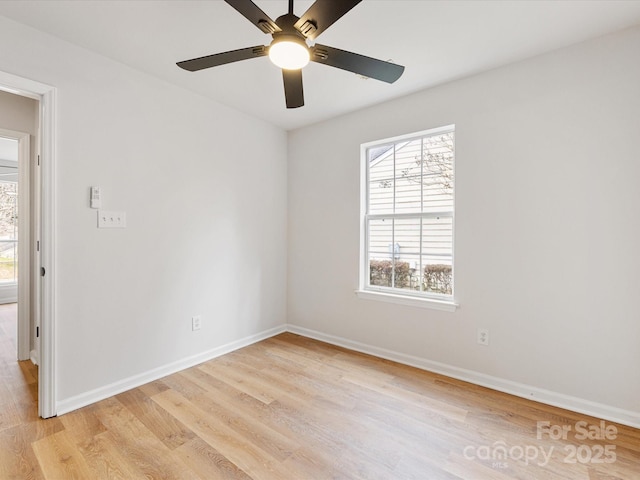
206,217
18,113
547,225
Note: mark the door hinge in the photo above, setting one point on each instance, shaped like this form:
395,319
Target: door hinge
37,332
38,160
42,271
37,245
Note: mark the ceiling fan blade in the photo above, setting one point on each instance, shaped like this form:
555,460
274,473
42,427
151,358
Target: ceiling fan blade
216,59
252,12
293,91
356,63
321,15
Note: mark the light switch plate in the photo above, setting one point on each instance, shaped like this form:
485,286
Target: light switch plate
96,197
109,219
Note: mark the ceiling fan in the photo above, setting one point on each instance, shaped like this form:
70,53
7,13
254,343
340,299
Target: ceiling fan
289,49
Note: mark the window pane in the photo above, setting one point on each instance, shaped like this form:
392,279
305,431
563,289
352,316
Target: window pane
8,211
437,255
8,262
381,252
437,237
407,266
438,278
437,167
380,161
8,231
408,175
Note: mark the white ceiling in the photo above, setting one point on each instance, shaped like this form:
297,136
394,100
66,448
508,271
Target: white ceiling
437,41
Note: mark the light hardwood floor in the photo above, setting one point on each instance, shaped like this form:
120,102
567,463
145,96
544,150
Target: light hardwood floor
294,408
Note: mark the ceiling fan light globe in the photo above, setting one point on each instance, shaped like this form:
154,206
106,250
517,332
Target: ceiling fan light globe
290,55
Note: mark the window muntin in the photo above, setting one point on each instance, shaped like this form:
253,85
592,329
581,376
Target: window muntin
408,215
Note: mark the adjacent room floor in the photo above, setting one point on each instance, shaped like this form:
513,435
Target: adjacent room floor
293,408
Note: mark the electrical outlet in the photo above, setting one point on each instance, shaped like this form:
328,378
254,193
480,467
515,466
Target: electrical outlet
196,323
483,336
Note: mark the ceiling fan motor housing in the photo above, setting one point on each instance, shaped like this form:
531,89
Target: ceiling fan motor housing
287,26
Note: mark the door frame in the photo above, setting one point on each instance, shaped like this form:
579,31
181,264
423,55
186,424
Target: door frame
46,155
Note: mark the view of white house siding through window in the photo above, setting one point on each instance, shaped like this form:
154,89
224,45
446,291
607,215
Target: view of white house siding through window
409,214
8,210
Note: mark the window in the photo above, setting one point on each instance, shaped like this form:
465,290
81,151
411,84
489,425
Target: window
8,232
408,207
8,211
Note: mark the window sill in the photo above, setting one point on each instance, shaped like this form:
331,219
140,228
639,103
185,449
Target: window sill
434,304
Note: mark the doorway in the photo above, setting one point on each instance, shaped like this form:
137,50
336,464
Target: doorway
8,220
16,250
40,251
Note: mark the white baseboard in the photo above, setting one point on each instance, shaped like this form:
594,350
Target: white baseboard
575,404
586,407
33,356
9,293
73,403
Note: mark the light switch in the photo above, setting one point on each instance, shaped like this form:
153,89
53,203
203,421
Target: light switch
109,219
96,198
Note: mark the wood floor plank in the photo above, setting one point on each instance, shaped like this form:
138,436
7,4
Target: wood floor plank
107,461
84,423
101,453
153,388
29,371
207,462
300,403
60,458
296,383
249,407
164,426
356,438
259,390
179,383
24,396
259,434
430,441
9,412
139,445
241,404
221,437
19,465
422,401
412,467
17,458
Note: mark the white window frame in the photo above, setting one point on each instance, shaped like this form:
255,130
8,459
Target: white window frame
390,294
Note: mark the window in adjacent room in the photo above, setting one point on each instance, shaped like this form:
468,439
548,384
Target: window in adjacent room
407,215
8,211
